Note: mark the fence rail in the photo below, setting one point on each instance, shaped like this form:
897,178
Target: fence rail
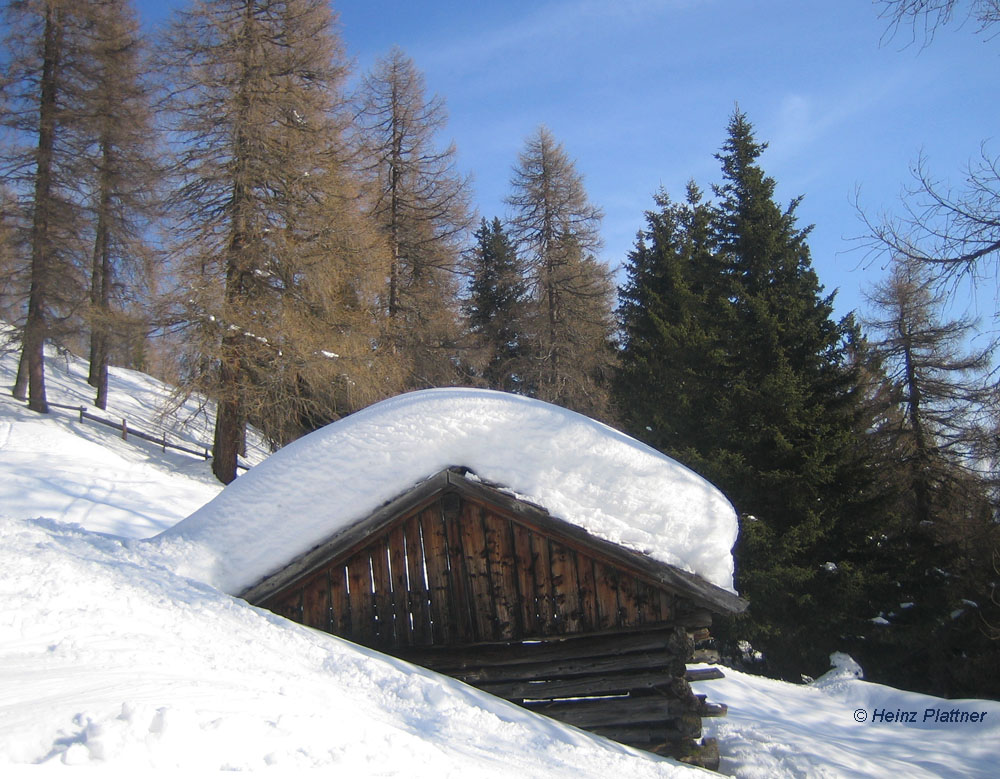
126,430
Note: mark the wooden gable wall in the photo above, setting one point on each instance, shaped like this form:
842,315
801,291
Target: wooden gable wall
460,570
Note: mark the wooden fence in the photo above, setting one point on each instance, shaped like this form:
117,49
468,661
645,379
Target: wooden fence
127,430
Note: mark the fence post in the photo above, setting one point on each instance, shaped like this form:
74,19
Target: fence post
164,441
83,410
124,429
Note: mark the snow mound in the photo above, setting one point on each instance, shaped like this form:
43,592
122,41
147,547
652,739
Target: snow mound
580,470
843,668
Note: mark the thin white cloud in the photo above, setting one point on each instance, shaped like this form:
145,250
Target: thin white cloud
804,120
558,24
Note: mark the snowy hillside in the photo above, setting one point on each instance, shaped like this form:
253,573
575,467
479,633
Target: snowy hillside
109,658
83,472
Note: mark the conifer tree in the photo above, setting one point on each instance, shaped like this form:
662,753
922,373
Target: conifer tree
926,16
44,79
421,204
937,426
788,411
944,393
952,230
12,269
279,265
671,312
557,230
121,144
495,308
731,362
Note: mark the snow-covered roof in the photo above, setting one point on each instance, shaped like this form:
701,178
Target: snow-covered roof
579,470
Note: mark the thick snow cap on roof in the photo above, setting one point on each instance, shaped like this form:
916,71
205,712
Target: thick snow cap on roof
581,471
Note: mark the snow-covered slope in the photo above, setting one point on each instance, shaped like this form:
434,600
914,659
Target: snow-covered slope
109,658
580,470
81,471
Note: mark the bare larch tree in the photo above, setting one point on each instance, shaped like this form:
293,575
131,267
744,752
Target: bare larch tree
278,266
558,233
421,204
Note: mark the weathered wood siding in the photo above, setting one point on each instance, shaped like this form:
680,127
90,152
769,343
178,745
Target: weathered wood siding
460,571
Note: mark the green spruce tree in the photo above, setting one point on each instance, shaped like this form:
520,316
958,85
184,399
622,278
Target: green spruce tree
732,363
670,311
789,422
495,308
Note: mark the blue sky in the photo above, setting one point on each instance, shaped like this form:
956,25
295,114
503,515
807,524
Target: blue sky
640,91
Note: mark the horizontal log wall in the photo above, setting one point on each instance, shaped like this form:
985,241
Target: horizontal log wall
631,687
460,572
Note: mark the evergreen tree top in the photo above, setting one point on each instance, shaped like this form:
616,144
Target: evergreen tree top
740,150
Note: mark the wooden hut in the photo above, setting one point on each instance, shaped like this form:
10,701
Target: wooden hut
463,577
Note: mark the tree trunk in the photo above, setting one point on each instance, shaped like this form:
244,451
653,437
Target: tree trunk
921,487
100,285
395,164
35,328
20,390
229,417
228,422
33,352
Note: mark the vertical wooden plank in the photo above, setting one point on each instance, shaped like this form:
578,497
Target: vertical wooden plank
474,553
565,587
359,576
400,589
503,580
339,602
460,587
627,605
385,619
589,613
606,591
449,611
316,602
290,606
420,599
524,569
543,585
651,608
571,578
665,606
647,603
